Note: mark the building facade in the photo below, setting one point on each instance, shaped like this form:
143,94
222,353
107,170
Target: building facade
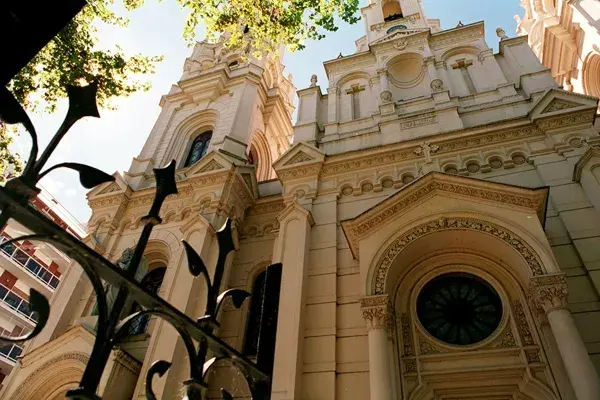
565,35
25,265
437,218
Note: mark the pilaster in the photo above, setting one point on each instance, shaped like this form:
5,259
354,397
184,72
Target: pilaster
291,248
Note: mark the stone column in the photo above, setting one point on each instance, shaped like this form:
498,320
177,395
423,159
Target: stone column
291,249
549,294
376,312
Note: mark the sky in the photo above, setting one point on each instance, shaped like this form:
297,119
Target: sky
110,142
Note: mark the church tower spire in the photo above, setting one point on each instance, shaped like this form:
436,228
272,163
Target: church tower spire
382,17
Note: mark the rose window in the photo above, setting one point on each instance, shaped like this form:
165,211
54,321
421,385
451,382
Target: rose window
459,309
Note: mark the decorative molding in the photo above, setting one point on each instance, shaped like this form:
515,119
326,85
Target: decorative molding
566,120
549,292
522,325
442,224
394,155
376,312
266,208
455,37
113,187
507,339
426,347
296,173
211,166
425,119
559,104
298,158
407,343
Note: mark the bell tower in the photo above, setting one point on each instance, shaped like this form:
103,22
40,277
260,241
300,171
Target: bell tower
225,101
382,17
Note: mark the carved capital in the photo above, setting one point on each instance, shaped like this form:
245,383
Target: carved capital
382,71
376,311
549,292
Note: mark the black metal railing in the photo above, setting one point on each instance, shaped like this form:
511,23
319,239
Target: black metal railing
196,333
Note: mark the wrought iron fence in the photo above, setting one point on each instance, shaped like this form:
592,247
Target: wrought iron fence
197,334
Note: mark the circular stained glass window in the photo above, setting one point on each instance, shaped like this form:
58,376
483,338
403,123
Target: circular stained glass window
459,309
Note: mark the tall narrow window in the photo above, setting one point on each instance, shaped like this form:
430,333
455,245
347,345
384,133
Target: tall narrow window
151,282
354,93
262,320
199,148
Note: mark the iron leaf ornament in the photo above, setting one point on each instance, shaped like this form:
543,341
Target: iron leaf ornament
195,332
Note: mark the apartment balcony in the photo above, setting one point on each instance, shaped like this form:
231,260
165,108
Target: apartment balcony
8,356
17,261
14,307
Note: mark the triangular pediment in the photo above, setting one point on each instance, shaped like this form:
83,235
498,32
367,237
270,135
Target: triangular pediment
299,153
449,188
109,188
557,101
212,162
397,35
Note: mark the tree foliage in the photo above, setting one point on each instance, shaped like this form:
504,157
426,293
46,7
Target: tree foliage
73,57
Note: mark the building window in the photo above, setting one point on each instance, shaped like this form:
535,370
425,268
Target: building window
198,149
459,309
151,282
392,11
261,328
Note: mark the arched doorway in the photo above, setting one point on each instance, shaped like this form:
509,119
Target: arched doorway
591,75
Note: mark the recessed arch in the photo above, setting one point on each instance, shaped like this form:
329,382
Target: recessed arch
187,130
407,244
591,75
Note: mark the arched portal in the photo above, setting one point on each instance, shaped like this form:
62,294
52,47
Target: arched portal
458,293
591,75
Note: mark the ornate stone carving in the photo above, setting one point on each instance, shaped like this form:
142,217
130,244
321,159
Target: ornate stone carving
533,356
437,85
523,325
401,44
298,158
549,292
376,311
211,166
507,339
407,344
426,149
426,347
266,208
313,80
425,119
567,120
113,187
558,105
508,237
386,96
410,366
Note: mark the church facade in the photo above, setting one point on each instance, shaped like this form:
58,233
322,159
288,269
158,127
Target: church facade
437,218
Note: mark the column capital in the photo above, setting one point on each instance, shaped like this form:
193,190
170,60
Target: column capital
382,71
429,60
376,312
549,292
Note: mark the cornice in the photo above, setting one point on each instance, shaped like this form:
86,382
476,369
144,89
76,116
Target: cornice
437,183
400,152
454,36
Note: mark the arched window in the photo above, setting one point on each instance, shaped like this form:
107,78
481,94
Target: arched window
198,149
151,282
258,296
391,10
261,329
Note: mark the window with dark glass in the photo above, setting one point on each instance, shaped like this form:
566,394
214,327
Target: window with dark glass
459,309
198,149
151,282
262,319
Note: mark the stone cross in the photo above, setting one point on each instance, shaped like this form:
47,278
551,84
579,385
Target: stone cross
426,149
463,65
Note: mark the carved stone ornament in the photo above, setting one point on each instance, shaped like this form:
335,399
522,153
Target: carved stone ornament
386,96
401,44
549,292
407,345
426,149
437,85
298,158
523,325
376,311
390,254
